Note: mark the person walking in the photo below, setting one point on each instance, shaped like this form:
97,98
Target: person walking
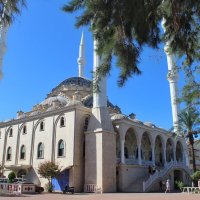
167,186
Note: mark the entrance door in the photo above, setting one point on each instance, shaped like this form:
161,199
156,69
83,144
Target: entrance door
178,176
60,182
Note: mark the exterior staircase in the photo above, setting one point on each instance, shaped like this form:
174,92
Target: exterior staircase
158,175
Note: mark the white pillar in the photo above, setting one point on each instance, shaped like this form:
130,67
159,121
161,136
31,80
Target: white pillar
99,96
122,151
172,77
164,155
81,59
139,154
153,153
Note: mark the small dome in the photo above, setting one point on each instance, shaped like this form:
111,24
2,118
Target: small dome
88,102
118,116
35,113
49,101
149,124
137,121
51,108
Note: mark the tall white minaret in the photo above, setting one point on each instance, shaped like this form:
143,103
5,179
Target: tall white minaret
100,139
172,77
81,59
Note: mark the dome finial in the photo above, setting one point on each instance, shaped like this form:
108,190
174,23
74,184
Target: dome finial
81,59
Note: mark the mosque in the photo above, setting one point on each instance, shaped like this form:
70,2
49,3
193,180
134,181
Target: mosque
98,147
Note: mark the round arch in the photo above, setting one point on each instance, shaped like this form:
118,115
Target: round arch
169,150
146,151
158,149
179,152
130,146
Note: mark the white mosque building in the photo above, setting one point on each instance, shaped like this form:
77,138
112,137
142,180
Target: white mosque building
98,148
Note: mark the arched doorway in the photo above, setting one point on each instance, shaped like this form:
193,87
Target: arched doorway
169,150
146,151
178,176
179,152
130,146
159,161
21,173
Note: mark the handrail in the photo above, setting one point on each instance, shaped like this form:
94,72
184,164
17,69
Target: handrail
160,174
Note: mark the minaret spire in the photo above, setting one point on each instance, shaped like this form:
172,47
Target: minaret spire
81,59
172,77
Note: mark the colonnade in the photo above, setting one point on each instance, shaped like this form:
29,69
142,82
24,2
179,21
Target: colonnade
141,147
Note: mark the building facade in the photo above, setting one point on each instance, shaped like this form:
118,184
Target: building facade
98,148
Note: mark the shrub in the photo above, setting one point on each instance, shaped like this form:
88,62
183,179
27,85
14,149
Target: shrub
195,176
179,185
11,177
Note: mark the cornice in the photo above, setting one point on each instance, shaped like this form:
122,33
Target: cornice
44,115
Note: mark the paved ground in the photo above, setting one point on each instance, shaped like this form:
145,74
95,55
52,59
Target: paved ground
118,196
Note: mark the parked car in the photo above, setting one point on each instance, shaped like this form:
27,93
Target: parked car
3,180
39,189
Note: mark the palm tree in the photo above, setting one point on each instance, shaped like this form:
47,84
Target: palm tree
189,127
8,11
124,27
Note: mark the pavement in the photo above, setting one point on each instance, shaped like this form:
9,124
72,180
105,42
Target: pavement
110,196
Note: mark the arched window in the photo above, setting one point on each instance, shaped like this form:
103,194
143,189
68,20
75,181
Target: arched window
11,132
62,122
86,123
40,150
9,153
23,152
42,126
24,129
61,148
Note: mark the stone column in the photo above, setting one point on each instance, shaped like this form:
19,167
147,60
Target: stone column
122,151
174,152
139,154
164,155
153,153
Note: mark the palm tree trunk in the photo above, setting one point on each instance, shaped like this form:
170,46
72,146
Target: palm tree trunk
193,159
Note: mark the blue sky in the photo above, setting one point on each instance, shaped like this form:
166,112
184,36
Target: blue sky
42,51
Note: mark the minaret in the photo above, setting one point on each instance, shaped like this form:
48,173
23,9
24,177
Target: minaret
81,59
100,140
172,77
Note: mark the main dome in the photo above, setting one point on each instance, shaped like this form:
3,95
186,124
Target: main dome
74,81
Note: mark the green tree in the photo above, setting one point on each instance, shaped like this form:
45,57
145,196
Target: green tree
189,126
49,170
9,9
123,27
11,177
